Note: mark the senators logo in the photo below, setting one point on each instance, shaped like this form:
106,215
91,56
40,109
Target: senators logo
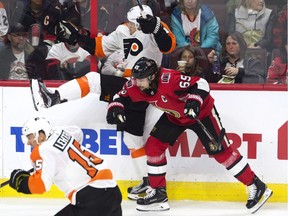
132,46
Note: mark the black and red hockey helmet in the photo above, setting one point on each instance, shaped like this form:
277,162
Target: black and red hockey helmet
143,68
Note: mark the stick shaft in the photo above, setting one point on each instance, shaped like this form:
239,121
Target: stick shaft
143,14
206,131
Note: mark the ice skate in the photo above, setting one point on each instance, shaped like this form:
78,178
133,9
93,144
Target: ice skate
138,191
155,200
259,193
42,97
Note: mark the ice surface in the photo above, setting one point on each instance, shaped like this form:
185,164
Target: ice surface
49,207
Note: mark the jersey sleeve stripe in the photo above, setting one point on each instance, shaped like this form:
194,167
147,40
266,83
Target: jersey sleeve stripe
84,85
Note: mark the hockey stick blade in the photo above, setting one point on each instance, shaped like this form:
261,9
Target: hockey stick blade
7,182
143,14
216,144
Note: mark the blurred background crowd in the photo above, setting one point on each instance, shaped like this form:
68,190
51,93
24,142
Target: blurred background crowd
223,41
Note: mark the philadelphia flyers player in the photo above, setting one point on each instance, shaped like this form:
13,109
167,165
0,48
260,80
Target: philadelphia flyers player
59,158
138,37
182,98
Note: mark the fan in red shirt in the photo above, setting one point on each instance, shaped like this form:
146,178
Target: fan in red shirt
183,99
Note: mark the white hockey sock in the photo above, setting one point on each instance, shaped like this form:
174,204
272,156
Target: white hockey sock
140,164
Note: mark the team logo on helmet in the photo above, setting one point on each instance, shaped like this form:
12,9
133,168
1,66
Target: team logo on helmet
143,68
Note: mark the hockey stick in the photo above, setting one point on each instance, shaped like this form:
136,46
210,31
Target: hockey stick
216,145
143,14
7,182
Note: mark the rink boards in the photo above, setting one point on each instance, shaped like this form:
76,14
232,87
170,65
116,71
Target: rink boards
255,121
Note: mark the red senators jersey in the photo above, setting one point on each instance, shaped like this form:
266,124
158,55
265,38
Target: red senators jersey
63,161
170,97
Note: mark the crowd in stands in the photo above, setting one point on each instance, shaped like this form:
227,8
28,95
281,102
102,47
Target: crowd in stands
249,38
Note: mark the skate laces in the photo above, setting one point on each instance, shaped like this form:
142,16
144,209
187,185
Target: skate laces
251,191
150,193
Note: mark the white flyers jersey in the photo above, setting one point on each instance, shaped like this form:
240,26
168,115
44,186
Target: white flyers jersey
61,53
135,46
4,25
63,161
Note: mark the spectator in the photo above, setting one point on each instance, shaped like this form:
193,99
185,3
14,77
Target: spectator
232,4
4,24
59,157
280,27
278,71
195,23
192,65
255,22
235,65
41,18
18,59
66,62
78,12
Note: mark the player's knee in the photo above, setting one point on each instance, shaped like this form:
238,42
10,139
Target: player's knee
228,157
155,147
132,141
94,82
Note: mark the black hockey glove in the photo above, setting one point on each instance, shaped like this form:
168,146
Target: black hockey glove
116,113
149,25
193,103
17,179
67,32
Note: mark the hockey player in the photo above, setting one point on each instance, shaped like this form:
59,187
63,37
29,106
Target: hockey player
182,98
139,37
59,158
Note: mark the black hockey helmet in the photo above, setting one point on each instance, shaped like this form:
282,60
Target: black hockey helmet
143,68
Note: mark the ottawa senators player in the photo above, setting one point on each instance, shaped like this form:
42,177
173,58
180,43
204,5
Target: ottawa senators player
182,98
59,158
138,37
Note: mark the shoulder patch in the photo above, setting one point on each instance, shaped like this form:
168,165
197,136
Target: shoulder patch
165,77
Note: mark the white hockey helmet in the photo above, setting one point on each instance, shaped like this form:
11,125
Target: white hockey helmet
35,125
135,12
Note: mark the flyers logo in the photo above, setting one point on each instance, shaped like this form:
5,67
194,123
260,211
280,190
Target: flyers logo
132,46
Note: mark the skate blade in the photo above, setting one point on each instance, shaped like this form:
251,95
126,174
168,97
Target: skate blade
267,194
154,207
36,95
136,196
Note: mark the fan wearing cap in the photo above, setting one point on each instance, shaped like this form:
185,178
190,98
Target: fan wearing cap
17,56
